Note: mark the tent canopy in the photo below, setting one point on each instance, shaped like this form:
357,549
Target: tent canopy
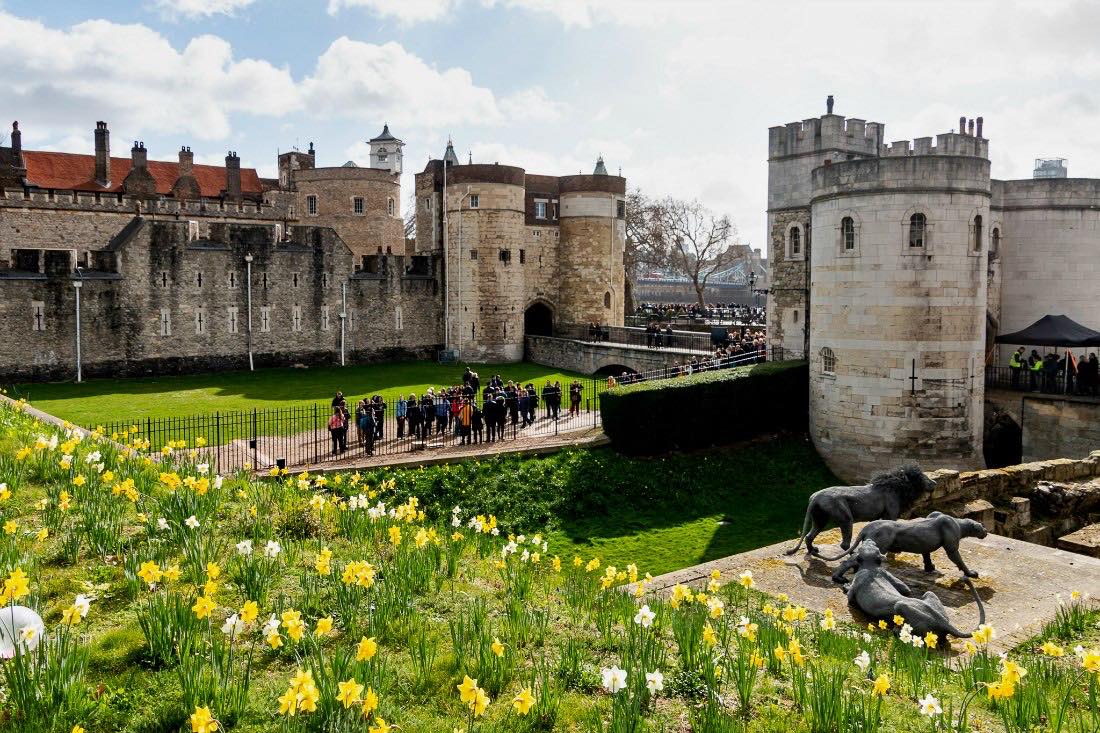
1053,331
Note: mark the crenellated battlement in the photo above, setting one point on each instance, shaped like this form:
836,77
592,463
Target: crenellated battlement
36,198
948,143
828,132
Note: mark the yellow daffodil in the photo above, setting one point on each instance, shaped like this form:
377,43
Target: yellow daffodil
324,626
204,605
202,721
523,701
881,685
349,692
497,647
366,650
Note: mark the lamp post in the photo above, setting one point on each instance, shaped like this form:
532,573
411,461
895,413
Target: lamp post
752,288
248,326
77,285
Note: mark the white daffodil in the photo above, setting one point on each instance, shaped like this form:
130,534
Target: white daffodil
614,679
192,522
930,706
162,524
272,549
203,468
233,626
863,661
654,681
644,617
244,547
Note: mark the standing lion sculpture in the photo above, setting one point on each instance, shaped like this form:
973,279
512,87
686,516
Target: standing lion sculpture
887,496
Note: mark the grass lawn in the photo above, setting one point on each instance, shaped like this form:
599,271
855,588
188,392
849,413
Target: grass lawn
108,400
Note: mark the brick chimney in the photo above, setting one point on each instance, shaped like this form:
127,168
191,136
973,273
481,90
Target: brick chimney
186,186
13,170
16,144
102,154
139,181
233,177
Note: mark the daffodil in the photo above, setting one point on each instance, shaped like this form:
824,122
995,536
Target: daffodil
881,685
366,649
202,721
349,692
523,701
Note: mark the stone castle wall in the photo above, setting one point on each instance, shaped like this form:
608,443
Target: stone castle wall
590,260
376,229
179,304
903,324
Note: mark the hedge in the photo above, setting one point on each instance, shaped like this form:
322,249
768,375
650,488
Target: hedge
707,409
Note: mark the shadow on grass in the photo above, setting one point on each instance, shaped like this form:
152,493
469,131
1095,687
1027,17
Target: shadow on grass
722,501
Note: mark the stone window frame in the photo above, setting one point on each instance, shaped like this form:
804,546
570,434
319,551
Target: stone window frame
326,281
427,203
201,321
391,206
827,358
978,232
265,319
232,319
996,237
473,254
398,319
165,322
358,206
324,318
929,227
523,256
857,225
296,318
312,205
38,315
505,256
545,205
198,280
475,201
788,228
607,299
232,282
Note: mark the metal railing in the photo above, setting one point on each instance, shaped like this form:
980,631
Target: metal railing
1051,382
683,340
299,436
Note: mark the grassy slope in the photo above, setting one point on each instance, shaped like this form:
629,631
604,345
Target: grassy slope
103,400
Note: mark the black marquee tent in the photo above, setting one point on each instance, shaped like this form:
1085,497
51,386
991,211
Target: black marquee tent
1053,331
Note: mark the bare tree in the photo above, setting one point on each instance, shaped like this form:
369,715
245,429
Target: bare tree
410,220
699,242
646,244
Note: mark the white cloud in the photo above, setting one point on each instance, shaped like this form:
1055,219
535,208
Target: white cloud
197,9
531,104
586,13
132,75
404,11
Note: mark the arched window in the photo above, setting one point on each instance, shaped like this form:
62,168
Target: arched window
995,244
918,226
607,300
828,360
978,233
848,233
796,241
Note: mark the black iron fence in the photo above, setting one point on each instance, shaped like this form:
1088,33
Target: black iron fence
1049,381
302,435
683,340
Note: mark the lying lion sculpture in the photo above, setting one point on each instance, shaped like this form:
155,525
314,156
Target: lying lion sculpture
881,596
886,497
921,536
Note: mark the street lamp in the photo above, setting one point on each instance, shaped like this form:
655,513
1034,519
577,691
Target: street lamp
248,277
752,288
77,285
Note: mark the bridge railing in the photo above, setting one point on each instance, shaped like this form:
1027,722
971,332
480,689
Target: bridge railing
682,340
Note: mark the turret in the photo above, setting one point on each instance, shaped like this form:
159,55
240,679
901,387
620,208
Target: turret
386,151
601,169
449,157
295,160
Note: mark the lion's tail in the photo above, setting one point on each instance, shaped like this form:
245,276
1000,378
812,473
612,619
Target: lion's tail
844,554
805,529
981,612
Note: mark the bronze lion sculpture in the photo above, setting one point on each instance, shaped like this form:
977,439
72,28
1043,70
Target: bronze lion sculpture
887,496
880,595
921,536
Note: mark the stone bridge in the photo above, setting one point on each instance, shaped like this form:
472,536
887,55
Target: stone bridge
587,357
1051,425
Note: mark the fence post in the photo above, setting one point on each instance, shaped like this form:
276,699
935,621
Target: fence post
315,435
254,443
218,437
149,431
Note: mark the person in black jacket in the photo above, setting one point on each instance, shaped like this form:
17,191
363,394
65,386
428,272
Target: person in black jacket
477,421
413,414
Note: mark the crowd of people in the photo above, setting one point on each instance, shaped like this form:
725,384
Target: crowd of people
748,347
1046,373
720,312
468,412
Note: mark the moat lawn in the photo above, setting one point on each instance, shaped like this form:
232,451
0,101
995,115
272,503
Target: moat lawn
106,400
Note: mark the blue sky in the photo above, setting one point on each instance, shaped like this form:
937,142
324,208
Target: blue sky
679,94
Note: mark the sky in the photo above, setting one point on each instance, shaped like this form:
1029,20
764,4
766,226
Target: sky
678,95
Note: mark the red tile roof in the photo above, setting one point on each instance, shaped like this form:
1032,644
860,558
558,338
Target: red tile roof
75,171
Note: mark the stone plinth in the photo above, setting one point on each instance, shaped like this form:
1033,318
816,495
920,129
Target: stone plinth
1019,584
1085,541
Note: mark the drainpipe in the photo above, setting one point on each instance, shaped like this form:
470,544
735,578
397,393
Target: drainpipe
343,316
248,266
77,284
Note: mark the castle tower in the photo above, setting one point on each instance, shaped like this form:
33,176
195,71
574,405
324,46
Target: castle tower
386,151
485,282
898,296
590,254
794,150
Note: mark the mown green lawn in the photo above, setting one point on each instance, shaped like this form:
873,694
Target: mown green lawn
108,400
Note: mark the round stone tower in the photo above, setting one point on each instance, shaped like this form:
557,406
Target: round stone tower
485,283
898,297
590,254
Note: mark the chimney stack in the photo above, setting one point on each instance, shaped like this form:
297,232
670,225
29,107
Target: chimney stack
829,105
187,161
233,176
980,126
102,154
138,157
970,131
962,125
17,143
